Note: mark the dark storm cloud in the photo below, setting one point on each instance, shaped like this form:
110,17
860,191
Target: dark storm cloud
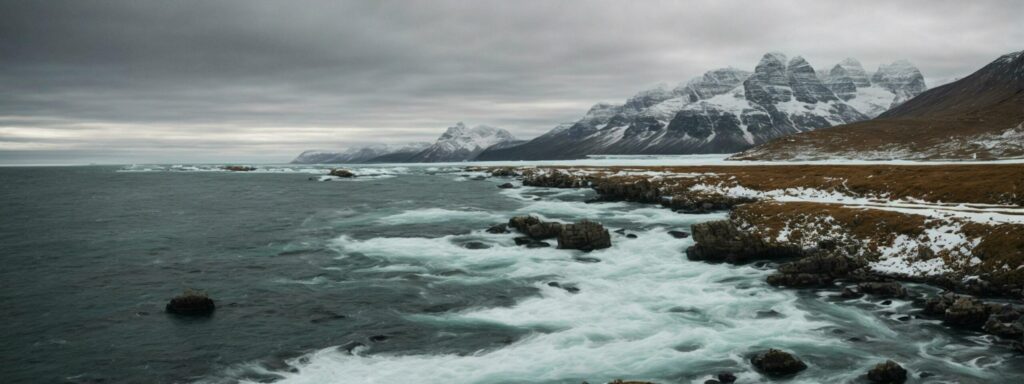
218,80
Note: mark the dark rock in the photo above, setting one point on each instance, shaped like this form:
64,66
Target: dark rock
887,373
889,289
621,231
712,382
572,289
534,228
523,240
191,303
886,302
925,375
504,172
679,234
555,284
904,318
967,312
378,338
722,241
697,203
631,236
585,235
498,228
506,186
936,306
478,178
850,293
771,313
475,245
239,168
538,244
340,172
556,179
774,362
726,377
584,259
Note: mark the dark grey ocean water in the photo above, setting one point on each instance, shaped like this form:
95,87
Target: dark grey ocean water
305,275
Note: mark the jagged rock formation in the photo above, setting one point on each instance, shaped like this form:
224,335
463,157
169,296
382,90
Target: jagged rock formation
978,117
725,110
888,87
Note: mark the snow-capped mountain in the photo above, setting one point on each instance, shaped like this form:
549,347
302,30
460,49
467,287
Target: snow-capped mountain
365,154
980,116
888,87
460,143
725,110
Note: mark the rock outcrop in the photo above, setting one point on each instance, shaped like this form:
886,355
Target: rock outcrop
535,228
341,172
585,235
774,362
722,241
888,372
819,269
191,303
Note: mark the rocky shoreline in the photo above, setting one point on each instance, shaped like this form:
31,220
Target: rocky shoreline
849,250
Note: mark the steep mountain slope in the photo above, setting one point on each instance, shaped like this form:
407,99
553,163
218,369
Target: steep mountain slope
725,110
366,154
460,143
980,116
890,86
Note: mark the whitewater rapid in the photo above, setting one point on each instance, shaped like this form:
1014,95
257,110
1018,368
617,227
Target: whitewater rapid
644,312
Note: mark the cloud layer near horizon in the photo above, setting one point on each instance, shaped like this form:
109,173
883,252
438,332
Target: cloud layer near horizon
192,81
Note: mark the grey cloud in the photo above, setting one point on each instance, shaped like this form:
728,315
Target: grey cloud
144,74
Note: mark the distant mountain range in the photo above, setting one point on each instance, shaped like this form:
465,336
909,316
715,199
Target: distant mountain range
458,143
724,111
980,116
727,110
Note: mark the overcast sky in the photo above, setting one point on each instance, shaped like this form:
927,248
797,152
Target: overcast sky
137,81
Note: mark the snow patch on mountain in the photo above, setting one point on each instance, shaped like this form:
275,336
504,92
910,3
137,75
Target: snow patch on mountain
461,143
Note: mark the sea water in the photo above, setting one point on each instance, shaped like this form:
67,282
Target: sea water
371,280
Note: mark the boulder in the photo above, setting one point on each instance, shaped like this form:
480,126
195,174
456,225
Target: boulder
1007,330
850,293
506,186
679,234
538,244
475,245
341,172
774,362
191,303
585,235
817,270
887,373
967,312
888,289
534,228
722,241
498,228
936,306
522,240
239,168
726,378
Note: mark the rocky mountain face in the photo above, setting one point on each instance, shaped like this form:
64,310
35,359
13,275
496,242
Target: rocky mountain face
888,87
460,143
725,110
378,153
978,117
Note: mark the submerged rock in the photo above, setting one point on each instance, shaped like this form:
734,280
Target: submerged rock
722,241
239,168
506,186
498,228
341,172
774,362
475,245
585,235
679,234
887,373
726,378
538,244
191,303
